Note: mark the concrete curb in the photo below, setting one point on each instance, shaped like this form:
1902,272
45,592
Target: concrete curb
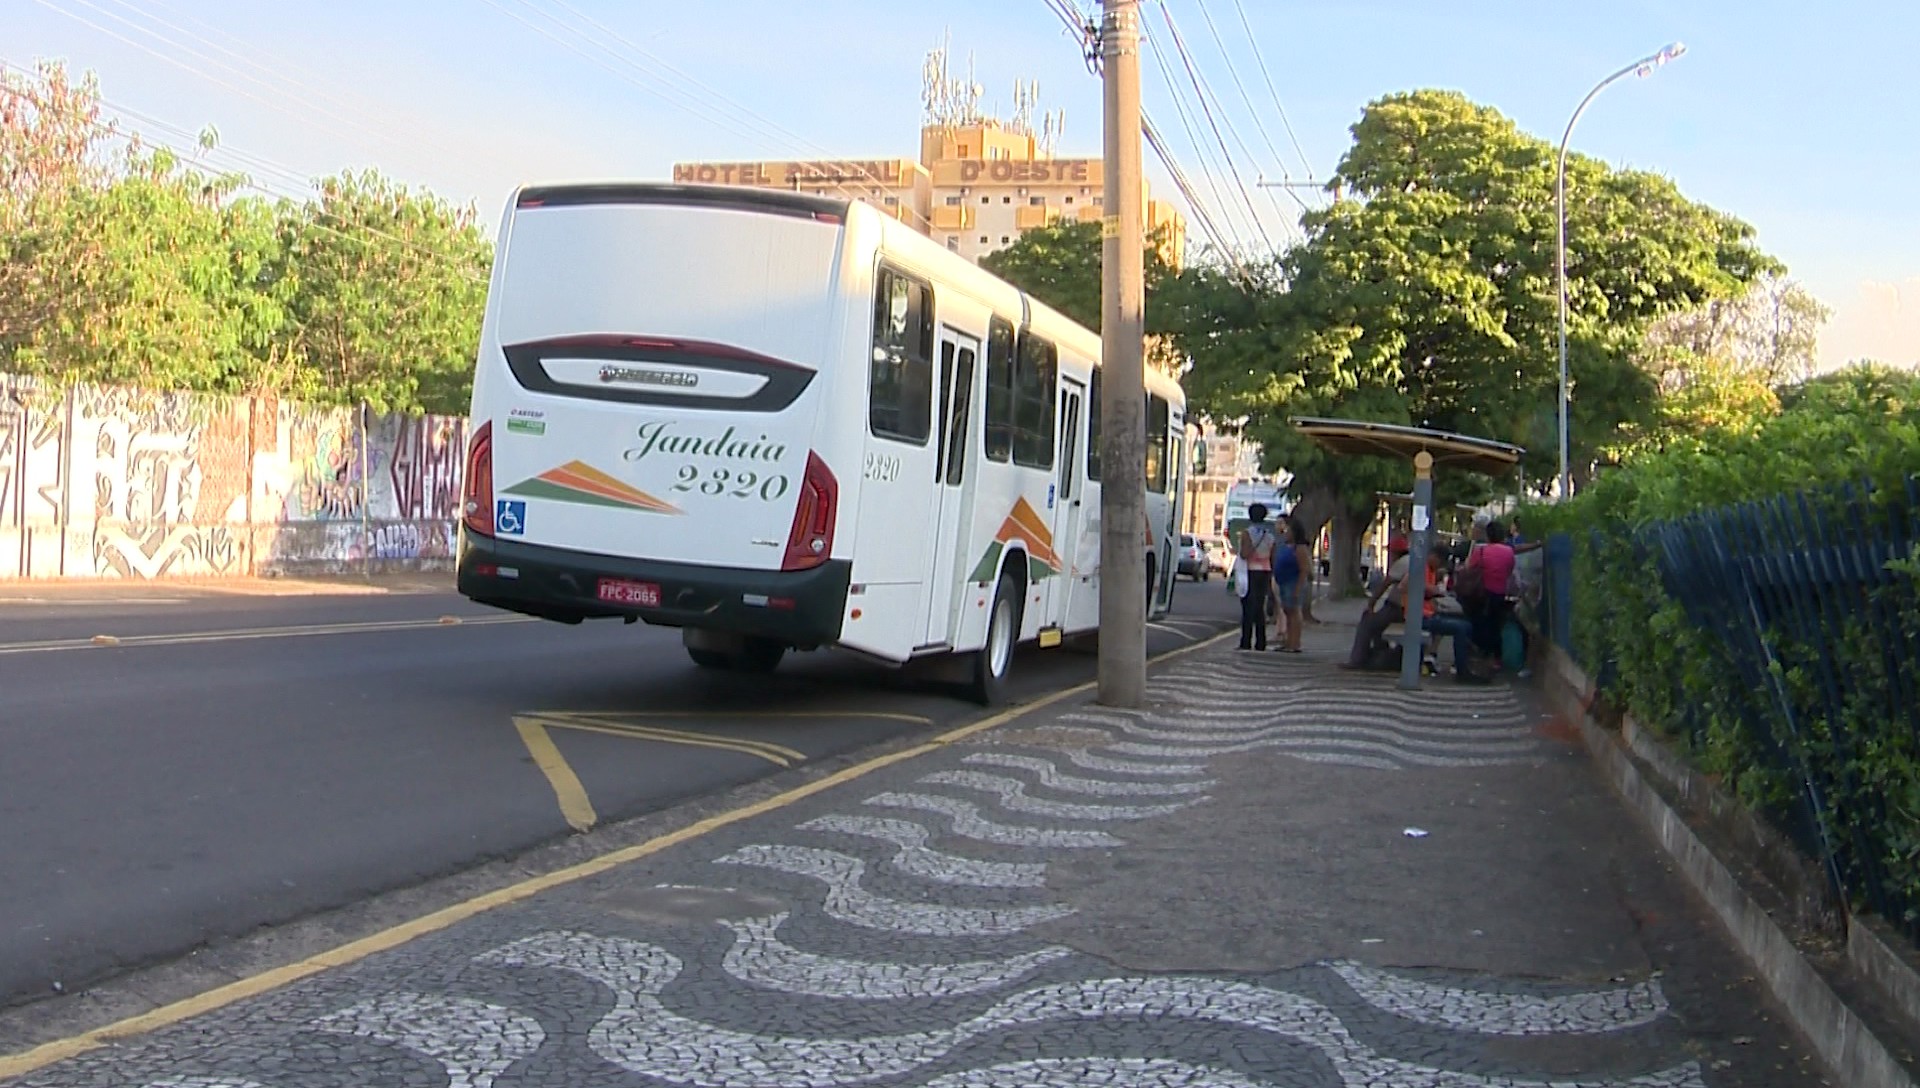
1843,1041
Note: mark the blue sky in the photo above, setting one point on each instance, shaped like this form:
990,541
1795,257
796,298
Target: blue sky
1800,118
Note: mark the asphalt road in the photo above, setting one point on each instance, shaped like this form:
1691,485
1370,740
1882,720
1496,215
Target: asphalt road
183,768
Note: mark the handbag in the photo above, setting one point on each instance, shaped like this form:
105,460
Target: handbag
1469,585
1237,581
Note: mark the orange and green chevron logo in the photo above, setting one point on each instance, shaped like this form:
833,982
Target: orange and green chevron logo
1024,525
579,482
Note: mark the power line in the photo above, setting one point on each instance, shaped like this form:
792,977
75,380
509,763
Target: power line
1258,124
1202,92
1278,108
1211,172
341,126
693,104
605,65
1082,28
1086,33
240,178
1207,225
281,70
685,77
255,163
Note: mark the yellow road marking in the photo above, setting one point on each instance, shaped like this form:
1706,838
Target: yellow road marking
884,715
784,757
758,747
249,634
46,1054
566,785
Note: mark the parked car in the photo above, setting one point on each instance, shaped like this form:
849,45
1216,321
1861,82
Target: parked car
1194,562
1219,553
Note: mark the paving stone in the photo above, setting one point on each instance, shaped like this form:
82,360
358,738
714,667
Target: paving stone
1218,890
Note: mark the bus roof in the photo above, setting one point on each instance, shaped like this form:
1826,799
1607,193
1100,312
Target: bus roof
735,197
895,235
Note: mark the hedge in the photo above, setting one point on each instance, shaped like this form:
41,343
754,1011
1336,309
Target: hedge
1805,709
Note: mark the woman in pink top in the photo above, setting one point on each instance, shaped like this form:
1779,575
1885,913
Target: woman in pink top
1256,545
1494,559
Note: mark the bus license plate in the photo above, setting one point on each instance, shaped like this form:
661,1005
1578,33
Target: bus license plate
622,591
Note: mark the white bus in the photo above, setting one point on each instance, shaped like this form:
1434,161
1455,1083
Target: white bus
1241,497
781,421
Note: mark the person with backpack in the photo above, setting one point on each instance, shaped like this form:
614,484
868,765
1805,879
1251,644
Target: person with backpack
1255,548
1493,561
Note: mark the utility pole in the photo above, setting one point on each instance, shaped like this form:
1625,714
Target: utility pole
1125,536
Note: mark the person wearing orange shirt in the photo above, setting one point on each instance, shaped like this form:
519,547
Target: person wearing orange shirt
1447,624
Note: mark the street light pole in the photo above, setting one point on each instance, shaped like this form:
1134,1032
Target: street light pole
1644,66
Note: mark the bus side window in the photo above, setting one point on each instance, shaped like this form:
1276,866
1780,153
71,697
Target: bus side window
900,379
1175,429
1156,445
999,429
1093,427
1036,383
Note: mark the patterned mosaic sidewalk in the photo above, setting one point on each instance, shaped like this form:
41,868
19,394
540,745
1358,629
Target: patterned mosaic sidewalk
1218,891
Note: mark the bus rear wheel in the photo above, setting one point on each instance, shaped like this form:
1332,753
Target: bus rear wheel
740,653
993,661
761,655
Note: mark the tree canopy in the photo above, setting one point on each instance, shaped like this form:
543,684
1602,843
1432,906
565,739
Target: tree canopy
1432,284
1425,294
127,264
1060,265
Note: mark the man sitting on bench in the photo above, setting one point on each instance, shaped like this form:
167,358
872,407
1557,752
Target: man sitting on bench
1380,615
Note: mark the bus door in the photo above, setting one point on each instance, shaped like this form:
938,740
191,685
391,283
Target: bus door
947,517
1076,603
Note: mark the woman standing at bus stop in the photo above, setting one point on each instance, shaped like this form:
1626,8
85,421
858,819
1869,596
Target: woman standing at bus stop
1293,578
1255,548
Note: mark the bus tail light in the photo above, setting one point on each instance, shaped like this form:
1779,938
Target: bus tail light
810,541
477,509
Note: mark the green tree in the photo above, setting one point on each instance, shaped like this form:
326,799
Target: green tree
156,278
139,268
51,145
1426,296
386,290
1442,264
1059,264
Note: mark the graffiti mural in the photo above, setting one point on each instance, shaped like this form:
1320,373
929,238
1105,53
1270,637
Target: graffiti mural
424,468
330,481
116,483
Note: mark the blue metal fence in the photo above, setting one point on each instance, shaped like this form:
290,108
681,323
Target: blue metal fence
1815,627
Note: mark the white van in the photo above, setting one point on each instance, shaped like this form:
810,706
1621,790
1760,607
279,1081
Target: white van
782,421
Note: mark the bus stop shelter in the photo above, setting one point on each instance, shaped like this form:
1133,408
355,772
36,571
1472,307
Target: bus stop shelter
1426,450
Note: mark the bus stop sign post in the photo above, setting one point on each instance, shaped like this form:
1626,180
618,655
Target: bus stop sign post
1123,387
1420,542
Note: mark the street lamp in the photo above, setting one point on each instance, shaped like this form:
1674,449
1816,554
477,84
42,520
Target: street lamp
1642,67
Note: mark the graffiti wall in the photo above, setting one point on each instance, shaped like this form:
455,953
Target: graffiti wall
120,483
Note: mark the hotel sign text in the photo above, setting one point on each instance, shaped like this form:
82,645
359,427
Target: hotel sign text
1043,170
828,172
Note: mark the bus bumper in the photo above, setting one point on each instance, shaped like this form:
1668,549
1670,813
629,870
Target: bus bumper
799,608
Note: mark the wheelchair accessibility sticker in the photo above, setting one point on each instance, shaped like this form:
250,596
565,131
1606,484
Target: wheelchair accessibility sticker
510,517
